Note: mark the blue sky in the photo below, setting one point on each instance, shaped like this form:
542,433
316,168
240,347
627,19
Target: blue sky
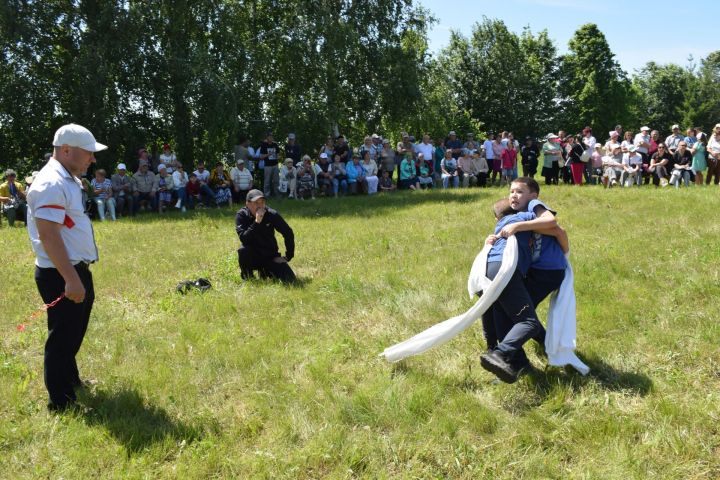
638,32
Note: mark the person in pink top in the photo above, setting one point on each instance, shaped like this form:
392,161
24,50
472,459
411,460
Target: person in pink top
509,164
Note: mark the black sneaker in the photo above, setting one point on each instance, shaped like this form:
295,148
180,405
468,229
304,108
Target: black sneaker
494,362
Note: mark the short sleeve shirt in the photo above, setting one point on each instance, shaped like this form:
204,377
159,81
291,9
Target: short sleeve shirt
523,240
546,251
56,196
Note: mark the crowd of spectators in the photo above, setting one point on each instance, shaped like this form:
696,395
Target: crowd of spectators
622,158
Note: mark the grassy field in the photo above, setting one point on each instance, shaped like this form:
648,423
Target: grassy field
255,380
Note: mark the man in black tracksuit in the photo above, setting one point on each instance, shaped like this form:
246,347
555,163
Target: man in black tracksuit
255,224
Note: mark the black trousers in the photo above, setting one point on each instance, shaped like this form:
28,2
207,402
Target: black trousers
250,261
540,284
67,324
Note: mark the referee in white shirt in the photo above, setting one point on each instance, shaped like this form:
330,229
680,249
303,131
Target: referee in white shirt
64,246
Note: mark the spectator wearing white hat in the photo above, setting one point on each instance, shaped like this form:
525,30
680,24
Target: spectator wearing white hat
163,188
62,239
642,143
323,175
632,167
672,140
552,157
122,190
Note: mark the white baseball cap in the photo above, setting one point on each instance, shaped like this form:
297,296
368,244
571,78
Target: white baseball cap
121,166
675,126
75,135
323,155
642,129
162,167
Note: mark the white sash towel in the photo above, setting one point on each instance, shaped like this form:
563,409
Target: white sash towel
560,337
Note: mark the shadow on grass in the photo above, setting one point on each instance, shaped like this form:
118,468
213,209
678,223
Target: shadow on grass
601,372
133,421
335,207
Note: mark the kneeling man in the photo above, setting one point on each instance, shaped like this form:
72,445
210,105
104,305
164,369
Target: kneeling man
255,224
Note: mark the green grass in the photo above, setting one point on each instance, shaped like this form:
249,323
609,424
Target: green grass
256,380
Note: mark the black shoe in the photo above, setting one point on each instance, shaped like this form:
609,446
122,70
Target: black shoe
494,362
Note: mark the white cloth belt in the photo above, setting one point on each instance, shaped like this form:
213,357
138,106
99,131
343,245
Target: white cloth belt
560,337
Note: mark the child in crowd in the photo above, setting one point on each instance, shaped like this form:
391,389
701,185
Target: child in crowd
386,183
192,190
102,191
509,164
699,163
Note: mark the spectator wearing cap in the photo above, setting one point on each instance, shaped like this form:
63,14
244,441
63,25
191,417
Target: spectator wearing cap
324,175
242,180
12,197
642,143
255,225
143,184
713,159
682,165
270,156
180,180
288,178
552,157
673,140
614,138
169,159
293,149
221,185
612,165
454,144
632,167
103,194
122,190
203,176
62,239
163,188
356,175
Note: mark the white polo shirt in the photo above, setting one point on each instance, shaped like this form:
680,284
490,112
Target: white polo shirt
56,196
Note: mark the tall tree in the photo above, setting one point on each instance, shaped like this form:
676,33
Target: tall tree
594,90
662,91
